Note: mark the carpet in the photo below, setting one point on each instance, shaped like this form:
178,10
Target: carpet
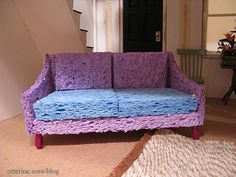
170,154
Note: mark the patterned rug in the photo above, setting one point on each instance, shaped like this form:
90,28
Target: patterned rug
169,154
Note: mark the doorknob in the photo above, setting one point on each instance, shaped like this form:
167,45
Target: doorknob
158,36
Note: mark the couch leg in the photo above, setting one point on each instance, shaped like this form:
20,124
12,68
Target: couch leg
39,141
195,133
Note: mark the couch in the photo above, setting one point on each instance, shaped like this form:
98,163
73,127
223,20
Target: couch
102,91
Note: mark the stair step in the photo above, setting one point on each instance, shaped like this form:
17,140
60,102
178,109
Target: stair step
76,16
88,49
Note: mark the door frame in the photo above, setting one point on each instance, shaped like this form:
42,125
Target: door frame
164,26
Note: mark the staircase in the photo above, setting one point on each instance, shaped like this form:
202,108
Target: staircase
83,21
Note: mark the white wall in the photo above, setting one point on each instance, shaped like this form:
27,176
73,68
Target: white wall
51,25
184,24
223,24
20,60
217,79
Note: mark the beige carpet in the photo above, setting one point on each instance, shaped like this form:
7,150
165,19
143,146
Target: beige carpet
167,154
85,155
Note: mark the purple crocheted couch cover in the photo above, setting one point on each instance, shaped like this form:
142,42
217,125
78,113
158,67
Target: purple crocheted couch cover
86,70
168,73
129,70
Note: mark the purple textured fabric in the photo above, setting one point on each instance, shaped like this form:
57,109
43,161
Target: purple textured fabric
181,82
140,70
174,79
83,70
115,125
41,88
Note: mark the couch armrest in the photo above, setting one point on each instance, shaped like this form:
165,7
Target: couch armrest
41,88
181,82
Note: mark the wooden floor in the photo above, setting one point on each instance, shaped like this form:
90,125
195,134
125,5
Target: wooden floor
94,154
220,121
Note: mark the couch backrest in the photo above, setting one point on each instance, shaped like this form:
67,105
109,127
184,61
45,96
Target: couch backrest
82,70
140,70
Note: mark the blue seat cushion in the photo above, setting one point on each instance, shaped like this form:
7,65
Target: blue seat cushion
74,104
157,101
94,103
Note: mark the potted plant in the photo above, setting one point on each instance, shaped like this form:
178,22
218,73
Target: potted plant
227,48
